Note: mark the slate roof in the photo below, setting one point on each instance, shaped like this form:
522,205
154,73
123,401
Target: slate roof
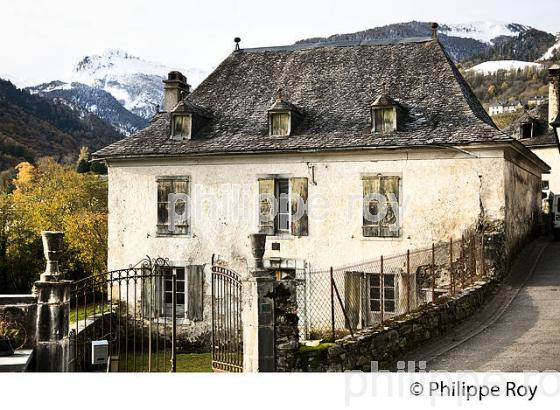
543,135
333,86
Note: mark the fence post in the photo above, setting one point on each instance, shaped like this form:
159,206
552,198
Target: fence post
409,277
433,272
482,259
382,292
332,304
462,264
173,322
451,266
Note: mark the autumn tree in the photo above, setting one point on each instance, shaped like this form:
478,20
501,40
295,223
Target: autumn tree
49,196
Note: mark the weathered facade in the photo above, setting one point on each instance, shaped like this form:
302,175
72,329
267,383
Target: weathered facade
534,131
308,164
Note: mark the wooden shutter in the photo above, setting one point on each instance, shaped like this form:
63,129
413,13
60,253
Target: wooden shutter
266,206
353,297
165,187
371,187
300,226
195,289
389,188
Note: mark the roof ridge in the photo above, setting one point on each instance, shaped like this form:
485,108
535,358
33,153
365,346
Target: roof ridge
337,43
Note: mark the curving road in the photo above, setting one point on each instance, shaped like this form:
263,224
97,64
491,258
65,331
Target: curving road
519,330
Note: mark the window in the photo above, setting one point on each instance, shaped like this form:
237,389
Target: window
280,124
527,130
389,293
283,197
189,294
179,292
173,206
384,119
381,215
182,125
283,206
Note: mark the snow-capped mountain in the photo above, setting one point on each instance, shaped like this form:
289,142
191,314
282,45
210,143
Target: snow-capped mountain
553,51
492,67
485,31
85,99
481,41
134,82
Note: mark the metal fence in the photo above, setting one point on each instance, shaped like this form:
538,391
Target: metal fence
337,301
133,310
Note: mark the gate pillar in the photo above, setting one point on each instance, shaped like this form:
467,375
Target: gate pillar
53,309
257,312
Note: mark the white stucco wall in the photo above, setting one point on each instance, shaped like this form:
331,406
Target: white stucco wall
551,156
442,191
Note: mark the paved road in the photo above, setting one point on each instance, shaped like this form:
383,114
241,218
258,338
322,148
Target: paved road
526,336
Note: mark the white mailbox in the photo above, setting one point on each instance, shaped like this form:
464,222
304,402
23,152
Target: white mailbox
99,351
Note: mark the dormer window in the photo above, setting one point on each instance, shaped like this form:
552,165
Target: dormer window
384,113
187,120
384,119
182,126
283,117
280,124
526,130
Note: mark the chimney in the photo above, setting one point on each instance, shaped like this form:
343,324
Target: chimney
174,90
434,30
553,92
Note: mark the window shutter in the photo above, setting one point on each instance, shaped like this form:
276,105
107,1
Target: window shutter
371,187
165,187
266,206
390,190
195,299
300,226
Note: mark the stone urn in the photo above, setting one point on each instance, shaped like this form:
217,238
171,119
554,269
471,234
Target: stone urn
53,244
258,244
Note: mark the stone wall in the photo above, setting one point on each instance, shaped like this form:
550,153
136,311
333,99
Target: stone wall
23,310
286,335
387,344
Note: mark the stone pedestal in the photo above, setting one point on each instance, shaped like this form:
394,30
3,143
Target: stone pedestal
51,338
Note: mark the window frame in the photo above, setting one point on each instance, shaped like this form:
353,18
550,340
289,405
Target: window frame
181,313
181,136
396,210
373,121
277,230
270,123
160,232
377,285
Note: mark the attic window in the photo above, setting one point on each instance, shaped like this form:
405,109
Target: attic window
384,119
182,126
384,112
527,130
280,124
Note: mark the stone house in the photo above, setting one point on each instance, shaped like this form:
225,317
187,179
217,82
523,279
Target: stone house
502,107
534,131
339,153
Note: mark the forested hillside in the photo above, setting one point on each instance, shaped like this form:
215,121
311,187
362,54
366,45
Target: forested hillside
32,126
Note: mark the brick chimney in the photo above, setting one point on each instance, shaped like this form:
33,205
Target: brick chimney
553,92
175,87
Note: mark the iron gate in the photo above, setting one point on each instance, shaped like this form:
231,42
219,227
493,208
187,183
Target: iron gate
227,334
134,310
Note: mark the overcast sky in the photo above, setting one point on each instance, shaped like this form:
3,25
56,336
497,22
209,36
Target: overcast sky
41,39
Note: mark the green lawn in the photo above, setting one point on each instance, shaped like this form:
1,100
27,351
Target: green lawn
189,362
89,310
